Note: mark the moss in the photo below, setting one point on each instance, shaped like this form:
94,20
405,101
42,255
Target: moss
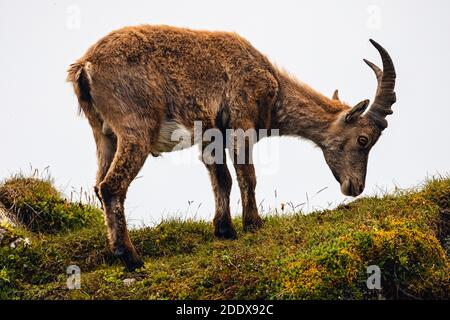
413,265
41,208
323,255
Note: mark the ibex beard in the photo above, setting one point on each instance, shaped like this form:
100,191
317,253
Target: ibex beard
138,85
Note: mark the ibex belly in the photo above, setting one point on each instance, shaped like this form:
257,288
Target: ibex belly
172,137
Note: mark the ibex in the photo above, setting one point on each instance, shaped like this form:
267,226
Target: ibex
139,84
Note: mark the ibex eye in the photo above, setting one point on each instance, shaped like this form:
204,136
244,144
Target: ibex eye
363,141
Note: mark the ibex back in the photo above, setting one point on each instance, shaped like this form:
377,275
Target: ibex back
138,85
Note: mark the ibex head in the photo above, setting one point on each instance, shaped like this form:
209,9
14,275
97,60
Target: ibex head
355,132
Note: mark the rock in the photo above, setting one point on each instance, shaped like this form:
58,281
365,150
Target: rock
8,236
6,217
2,234
445,230
129,281
20,241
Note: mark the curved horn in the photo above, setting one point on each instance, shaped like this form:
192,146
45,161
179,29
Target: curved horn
385,95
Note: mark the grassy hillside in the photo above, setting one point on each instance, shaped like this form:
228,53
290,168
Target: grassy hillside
323,255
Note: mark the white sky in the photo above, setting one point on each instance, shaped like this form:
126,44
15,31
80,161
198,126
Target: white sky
320,42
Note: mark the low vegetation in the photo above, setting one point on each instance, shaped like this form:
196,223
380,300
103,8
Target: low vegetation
323,255
41,208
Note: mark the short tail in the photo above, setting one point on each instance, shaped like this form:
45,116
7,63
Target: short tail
77,74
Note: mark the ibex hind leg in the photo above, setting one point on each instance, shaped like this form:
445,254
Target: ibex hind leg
106,149
106,143
128,161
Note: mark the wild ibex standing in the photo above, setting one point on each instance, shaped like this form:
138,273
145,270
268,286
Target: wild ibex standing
138,85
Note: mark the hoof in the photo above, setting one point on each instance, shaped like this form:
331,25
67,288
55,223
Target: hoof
130,260
225,233
253,225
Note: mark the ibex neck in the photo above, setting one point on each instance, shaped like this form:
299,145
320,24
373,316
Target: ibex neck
304,112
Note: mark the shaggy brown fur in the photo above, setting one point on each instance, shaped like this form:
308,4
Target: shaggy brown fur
138,84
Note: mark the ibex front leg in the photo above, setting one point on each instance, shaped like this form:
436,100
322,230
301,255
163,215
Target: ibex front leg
221,183
129,159
245,171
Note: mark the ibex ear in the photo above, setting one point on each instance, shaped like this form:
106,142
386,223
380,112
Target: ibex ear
336,95
356,111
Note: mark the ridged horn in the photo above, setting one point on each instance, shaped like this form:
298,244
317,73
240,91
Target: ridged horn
385,96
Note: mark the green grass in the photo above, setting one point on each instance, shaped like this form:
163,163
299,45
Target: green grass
323,255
